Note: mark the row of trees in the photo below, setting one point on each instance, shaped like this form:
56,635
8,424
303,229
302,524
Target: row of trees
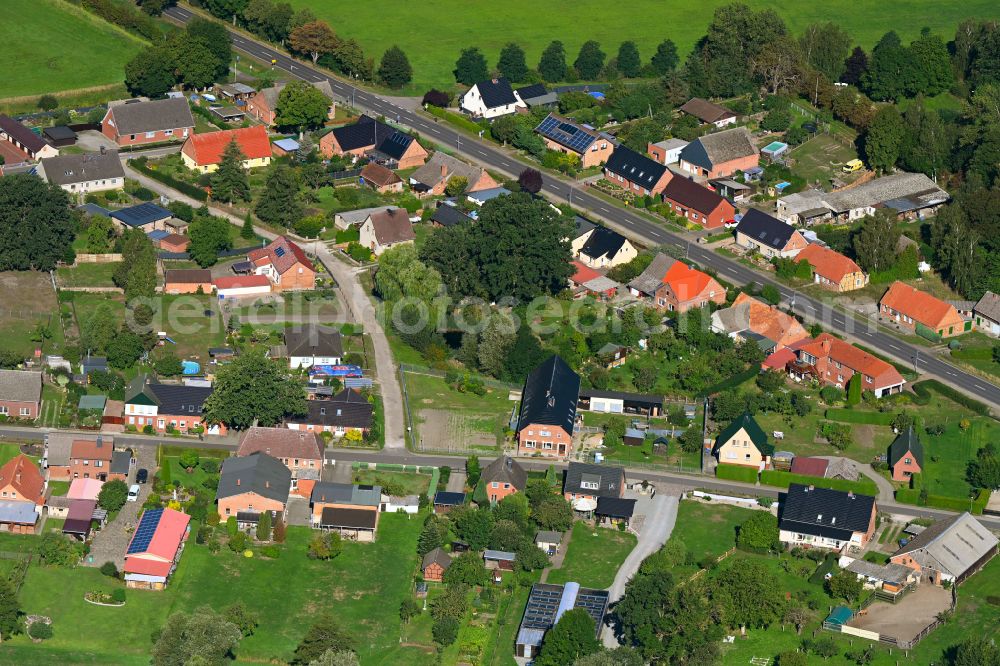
195,58
591,63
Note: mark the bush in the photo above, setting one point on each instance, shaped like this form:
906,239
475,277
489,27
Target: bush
118,595
40,631
736,473
272,551
239,542
923,389
109,569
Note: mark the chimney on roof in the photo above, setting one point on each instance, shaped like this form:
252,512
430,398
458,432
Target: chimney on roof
237,481
444,171
510,463
103,150
18,477
267,484
850,494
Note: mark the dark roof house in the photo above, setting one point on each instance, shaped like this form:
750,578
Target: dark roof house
449,216
496,92
635,167
603,242
257,473
313,340
550,396
753,430
594,480
347,409
505,470
705,111
73,169
761,228
832,514
151,116
141,214
906,442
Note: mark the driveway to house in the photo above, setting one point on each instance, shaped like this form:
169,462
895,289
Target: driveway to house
660,514
110,542
358,303
886,491
297,511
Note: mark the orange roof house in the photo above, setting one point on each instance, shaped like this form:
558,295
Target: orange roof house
908,307
675,286
832,269
203,152
587,280
21,480
285,264
833,361
749,314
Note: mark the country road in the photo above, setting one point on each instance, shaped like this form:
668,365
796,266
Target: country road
629,222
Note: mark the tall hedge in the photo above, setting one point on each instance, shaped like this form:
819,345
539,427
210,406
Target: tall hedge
736,473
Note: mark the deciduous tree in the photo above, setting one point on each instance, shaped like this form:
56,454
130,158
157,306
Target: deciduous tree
629,64
302,106
665,59
209,236
471,67
573,636
325,634
552,65
884,139
314,39
202,637
10,610
590,60
511,63
36,229
825,46
875,243
530,181
253,390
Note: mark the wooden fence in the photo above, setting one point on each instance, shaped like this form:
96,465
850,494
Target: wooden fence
108,258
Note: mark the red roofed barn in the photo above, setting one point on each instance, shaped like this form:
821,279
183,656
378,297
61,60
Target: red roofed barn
285,264
203,152
155,548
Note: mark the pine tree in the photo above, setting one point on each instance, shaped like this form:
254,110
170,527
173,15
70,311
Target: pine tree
629,63
471,68
280,203
246,231
10,611
264,526
230,181
665,59
395,70
590,61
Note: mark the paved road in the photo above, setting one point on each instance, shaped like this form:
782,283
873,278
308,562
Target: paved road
627,221
661,515
352,294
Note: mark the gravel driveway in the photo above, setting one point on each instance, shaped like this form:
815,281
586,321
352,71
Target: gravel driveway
660,516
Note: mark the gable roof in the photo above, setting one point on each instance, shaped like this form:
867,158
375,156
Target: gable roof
20,385
158,536
240,281
706,111
823,512
496,92
906,442
347,409
449,216
187,276
767,320
430,173
826,345
762,228
325,492
650,279
392,226
438,557
686,282
449,498
313,340
719,147
603,242
379,175
829,264
610,479
988,306
505,470
257,473
371,133
271,94
953,545
152,116
69,169
692,195
809,466
635,167
281,253
920,306
550,396
20,133
209,147
91,449
281,443
24,475
532,91
121,462
177,399
747,423
567,133
140,214
615,507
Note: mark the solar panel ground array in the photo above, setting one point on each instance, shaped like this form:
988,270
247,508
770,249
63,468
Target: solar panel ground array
144,533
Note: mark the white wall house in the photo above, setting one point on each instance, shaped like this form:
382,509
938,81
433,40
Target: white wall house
491,99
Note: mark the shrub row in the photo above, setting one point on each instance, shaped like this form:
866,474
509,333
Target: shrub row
780,479
912,496
209,116
852,416
736,473
124,15
923,389
188,189
732,382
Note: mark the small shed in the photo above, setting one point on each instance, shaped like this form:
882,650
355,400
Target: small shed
839,616
548,541
614,510
92,402
633,437
774,149
282,147
445,501
434,564
230,114
59,136
499,559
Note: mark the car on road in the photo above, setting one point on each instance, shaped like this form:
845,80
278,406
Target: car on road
142,475
133,493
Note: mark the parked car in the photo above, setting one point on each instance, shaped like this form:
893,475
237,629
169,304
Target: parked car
852,166
133,493
142,475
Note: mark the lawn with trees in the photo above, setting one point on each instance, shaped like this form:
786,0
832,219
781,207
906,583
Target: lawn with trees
593,556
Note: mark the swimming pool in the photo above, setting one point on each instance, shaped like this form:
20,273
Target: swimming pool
191,367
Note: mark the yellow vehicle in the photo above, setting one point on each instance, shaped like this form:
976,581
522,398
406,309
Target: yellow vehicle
853,165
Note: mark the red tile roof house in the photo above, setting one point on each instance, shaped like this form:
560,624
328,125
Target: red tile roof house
636,173
187,281
697,203
91,459
381,179
285,264
503,477
134,122
175,243
833,361
587,280
547,418
263,105
203,152
674,286
21,480
908,307
833,270
376,140
809,466
300,451
720,154
20,394
155,548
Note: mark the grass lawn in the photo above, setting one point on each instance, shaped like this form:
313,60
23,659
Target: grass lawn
489,27
87,275
820,157
59,488
363,587
28,300
60,47
10,450
410,483
182,318
977,351
594,556
708,528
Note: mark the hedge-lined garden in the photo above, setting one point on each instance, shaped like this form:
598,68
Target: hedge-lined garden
736,473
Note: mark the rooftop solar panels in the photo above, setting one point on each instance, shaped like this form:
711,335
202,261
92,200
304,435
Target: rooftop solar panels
144,533
566,133
544,601
279,251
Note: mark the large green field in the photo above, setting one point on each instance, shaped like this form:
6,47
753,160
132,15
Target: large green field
53,46
433,32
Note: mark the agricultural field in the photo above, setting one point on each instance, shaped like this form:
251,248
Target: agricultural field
28,302
451,25
60,47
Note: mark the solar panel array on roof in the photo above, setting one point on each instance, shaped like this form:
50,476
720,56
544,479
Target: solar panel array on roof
144,533
280,251
542,606
570,135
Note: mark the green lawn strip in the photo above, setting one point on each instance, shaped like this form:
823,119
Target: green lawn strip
853,416
412,484
10,450
708,528
87,275
59,488
594,556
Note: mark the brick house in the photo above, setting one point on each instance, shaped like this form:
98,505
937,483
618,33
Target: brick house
547,418
285,264
203,152
376,140
22,481
381,179
135,123
905,456
350,509
149,403
432,178
750,315
697,203
187,281
588,483
666,152
386,229
708,112
434,564
833,361
263,104
909,307
833,270
250,485
674,286
824,518
346,412
760,232
566,136
720,154
20,394
502,477
155,548
85,173
20,137
91,459
950,550
300,451
636,173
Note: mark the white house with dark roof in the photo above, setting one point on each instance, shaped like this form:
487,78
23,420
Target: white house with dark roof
313,345
386,229
825,518
491,98
600,247
89,172
986,314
